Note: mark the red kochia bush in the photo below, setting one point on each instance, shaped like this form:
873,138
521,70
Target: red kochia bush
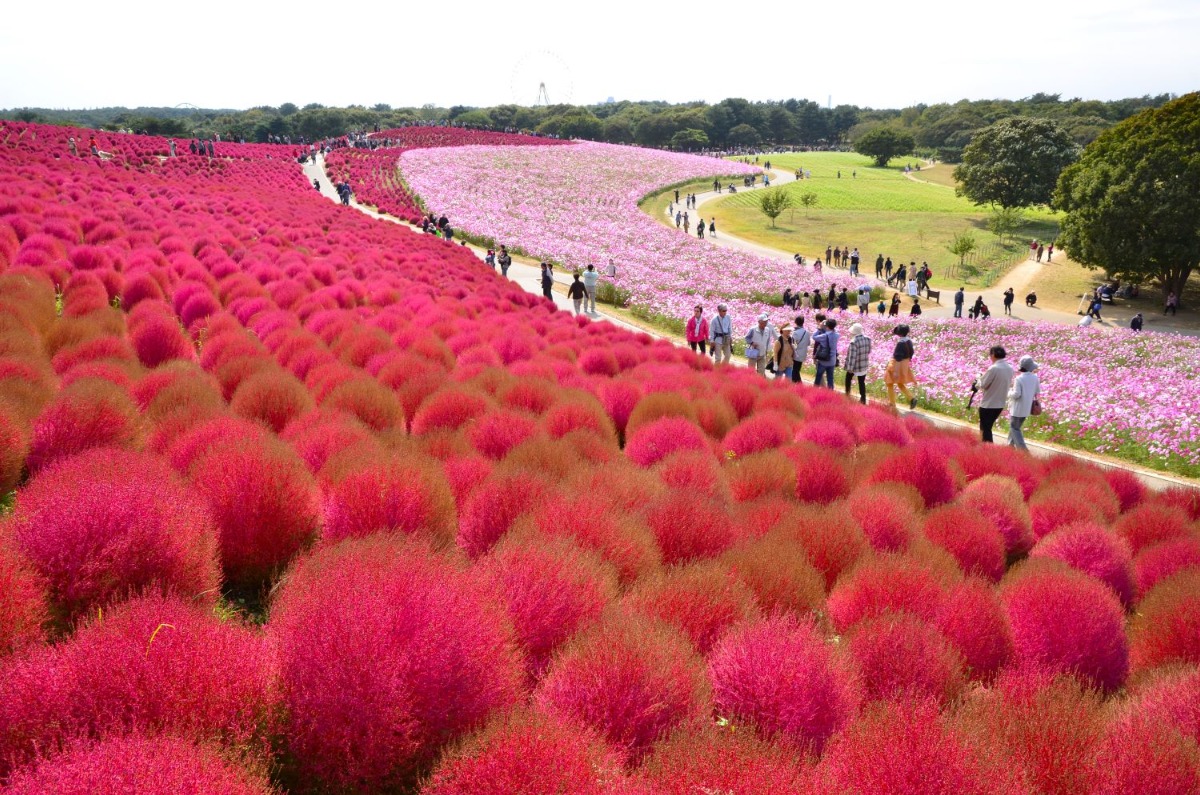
551,588
687,527
719,760
273,397
702,601
1064,621
632,680
87,414
657,439
907,748
119,765
1173,698
14,447
1142,755
493,507
264,502
526,752
921,467
409,496
154,663
887,518
105,522
970,537
1166,626
1159,561
887,583
388,652
1095,551
973,619
779,575
780,675
23,608
1000,499
1048,728
900,656
1152,523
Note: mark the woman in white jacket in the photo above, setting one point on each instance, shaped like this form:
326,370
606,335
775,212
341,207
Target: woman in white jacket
1021,397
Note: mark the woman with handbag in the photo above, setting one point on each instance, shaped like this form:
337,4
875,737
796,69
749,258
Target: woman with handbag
1023,400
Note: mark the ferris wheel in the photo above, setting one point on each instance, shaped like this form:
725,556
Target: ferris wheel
541,77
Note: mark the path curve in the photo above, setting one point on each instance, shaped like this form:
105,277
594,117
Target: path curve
528,277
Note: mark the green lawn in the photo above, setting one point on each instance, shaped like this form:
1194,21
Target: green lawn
879,210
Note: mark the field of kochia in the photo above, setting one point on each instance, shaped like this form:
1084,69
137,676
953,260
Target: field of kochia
297,501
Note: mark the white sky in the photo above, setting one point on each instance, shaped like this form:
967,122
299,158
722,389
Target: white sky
221,53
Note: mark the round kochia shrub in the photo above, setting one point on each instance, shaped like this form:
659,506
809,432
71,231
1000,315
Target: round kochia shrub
630,679
898,655
409,496
388,651
88,414
780,675
1064,621
119,765
1166,626
1093,550
264,502
154,663
656,440
1143,755
707,759
107,522
526,751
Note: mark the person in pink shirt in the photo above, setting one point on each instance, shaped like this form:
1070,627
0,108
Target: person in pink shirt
697,331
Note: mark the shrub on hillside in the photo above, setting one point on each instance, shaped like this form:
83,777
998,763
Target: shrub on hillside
1141,755
970,536
1157,562
780,675
154,663
779,576
632,680
701,600
88,414
409,496
23,606
895,583
107,522
1166,626
713,759
1094,551
272,396
1064,621
158,765
659,438
899,656
999,499
687,528
388,652
973,619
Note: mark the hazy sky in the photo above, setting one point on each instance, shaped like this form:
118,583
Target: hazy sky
220,53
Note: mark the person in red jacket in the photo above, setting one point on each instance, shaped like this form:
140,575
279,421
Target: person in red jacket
697,331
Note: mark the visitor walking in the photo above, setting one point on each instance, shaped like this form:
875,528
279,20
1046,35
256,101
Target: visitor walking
854,262
887,269
576,293
994,386
504,260
894,309
611,270
879,267
1172,304
1023,400
590,277
916,308
697,331
899,373
801,340
1040,251
490,259
720,333
858,356
759,340
1009,295
911,289
1137,322
959,298
785,353
825,353
700,229
74,150
864,299
547,281
712,228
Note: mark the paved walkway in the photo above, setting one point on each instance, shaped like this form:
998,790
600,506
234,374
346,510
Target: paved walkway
526,274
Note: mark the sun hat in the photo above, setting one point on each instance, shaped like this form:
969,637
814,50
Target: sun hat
856,330
901,330
785,327
764,317
1028,365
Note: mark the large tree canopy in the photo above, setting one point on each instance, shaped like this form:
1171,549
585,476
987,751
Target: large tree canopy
884,143
1133,199
1015,162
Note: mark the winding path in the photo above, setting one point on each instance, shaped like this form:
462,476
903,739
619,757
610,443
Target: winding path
527,275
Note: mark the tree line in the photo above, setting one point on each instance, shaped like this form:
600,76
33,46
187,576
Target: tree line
940,130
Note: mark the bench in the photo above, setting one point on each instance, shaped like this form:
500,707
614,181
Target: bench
935,295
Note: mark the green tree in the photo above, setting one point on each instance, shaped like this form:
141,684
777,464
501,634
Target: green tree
1133,199
744,135
808,200
773,201
1015,162
884,143
961,246
287,109
1004,221
689,140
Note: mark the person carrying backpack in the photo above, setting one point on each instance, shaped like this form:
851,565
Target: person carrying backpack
825,353
899,370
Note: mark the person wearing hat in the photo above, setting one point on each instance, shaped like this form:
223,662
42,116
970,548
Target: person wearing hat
759,340
899,370
1023,400
720,333
785,352
857,361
